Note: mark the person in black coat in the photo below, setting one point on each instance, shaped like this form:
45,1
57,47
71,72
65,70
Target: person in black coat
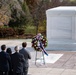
26,56
17,62
5,61
9,51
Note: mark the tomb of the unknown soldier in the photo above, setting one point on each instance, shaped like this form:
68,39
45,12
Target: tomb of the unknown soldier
61,28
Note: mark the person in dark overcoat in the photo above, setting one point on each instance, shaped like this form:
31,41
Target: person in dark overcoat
5,61
9,51
17,62
26,56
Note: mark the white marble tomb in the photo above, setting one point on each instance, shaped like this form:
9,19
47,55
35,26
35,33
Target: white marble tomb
61,28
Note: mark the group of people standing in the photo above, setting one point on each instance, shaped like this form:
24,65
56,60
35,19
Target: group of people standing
16,63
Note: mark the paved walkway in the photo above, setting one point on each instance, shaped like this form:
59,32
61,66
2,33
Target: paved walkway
65,65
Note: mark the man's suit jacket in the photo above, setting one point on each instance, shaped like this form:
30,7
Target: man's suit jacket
26,56
5,61
17,62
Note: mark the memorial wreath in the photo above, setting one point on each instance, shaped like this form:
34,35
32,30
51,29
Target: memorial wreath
36,40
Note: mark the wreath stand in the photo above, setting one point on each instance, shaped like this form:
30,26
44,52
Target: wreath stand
42,59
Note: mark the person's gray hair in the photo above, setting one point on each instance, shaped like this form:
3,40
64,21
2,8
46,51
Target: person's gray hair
16,48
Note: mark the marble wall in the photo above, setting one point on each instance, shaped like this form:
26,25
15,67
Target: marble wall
60,27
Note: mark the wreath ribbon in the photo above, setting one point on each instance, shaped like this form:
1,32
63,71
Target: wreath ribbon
42,47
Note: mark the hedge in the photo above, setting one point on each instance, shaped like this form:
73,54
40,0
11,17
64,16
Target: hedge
10,32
